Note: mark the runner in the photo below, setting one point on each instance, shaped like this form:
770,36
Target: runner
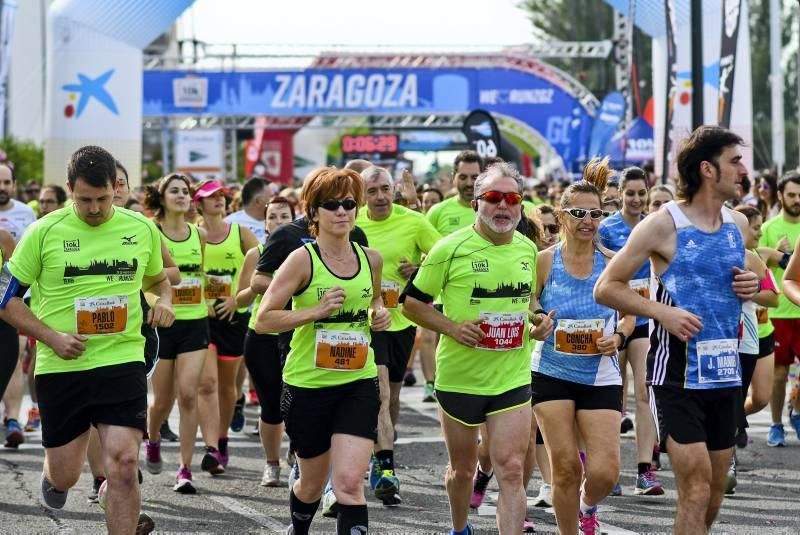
401,236
780,233
9,350
256,193
456,212
697,256
658,196
90,261
51,198
483,274
614,232
330,406
262,354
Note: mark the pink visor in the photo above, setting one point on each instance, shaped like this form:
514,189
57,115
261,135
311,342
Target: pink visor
208,190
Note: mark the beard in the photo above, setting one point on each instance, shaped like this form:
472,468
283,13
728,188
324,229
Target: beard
4,197
792,209
500,228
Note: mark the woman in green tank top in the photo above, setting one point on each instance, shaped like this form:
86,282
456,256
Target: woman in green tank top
330,398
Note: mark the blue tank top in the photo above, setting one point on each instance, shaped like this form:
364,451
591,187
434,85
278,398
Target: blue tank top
570,353
614,233
699,280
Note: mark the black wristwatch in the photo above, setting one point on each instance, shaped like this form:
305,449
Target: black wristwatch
622,338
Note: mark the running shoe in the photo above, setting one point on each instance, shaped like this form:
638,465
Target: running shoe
776,436
625,425
212,462
167,433
527,526
101,495
34,420
587,522
14,434
330,507
291,459
93,494
648,485
430,394
794,419
730,484
272,475
237,422
409,379
255,431
469,528
294,475
183,482
153,461
224,452
52,498
545,497
145,524
479,483
375,472
387,489
742,439
252,397
616,491
655,465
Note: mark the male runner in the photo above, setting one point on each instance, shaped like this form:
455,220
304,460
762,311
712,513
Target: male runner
256,193
456,212
697,253
90,261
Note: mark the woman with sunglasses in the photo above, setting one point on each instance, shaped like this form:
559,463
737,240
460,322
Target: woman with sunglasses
550,228
575,372
613,233
330,398
768,203
224,254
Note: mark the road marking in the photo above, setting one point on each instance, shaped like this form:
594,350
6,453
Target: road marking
241,509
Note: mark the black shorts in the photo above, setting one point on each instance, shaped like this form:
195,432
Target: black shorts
640,331
184,336
766,345
263,360
72,401
690,416
393,350
313,415
9,353
472,409
586,397
228,336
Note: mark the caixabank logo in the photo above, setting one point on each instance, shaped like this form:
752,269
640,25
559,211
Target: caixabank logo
87,89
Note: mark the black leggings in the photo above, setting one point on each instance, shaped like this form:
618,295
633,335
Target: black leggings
9,354
263,361
748,363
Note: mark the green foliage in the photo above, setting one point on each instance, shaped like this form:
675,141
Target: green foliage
27,157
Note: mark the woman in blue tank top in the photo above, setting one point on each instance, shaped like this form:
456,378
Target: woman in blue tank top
575,374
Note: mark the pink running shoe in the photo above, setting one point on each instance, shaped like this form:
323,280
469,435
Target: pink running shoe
479,484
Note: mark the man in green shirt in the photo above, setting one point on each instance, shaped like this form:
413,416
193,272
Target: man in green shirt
484,275
781,232
456,212
401,236
90,262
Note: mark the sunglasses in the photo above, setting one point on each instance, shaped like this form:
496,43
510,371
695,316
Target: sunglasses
333,205
551,228
764,185
494,197
580,213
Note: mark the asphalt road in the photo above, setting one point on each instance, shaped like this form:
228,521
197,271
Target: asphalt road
767,499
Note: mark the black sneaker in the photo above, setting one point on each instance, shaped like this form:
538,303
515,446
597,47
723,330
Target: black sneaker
212,461
625,425
409,379
237,422
167,433
145,524
92,497
741,439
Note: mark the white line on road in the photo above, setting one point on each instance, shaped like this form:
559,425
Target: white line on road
239,508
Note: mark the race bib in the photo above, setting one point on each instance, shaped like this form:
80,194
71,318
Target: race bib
578,337
762,315
718,361
101,315
642,287
390,292
340,350
188,292
218,286
502,330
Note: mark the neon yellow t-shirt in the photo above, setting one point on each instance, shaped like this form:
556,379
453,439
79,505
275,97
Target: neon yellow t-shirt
476,279
89,280
404,234
450,215
773,230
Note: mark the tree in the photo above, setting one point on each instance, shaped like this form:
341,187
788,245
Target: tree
26,157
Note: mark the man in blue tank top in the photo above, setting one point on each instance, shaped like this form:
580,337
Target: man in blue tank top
700,279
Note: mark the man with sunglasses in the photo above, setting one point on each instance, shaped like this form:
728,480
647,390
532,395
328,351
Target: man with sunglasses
484,275
697,254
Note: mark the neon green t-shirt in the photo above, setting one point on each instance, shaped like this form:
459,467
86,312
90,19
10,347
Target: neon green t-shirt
404,234
89,280
450,215
773,230
334,350
478,280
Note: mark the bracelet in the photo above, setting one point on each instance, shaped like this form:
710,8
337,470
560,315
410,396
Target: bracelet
785,260
622,338
540,311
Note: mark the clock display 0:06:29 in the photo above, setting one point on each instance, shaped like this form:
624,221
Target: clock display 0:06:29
363,144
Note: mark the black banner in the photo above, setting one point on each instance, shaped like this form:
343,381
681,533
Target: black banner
731,10
482,133
672,82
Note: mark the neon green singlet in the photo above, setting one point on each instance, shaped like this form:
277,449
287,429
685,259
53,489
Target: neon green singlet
257,301
334,350
223,263
188,297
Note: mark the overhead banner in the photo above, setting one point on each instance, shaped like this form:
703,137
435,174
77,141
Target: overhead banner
606,122
200,153
731,9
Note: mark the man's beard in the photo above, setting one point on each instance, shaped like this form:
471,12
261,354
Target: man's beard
4,197
498,229
793,210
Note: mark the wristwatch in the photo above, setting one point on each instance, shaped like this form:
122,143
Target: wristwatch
622,339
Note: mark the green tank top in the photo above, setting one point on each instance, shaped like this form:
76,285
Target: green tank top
257,301
223,264
188,297
335,350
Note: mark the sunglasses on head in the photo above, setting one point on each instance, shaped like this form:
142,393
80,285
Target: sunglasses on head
580,213
494,197
551,228
333,205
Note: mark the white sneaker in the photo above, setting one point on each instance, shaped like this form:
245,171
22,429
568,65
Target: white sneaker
330,507
294,475
545,497
272,475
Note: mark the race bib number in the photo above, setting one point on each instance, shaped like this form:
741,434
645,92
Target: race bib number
188,292
101,315
341,350
218,286
578,337
642,287
762,315
718,361
502,331
390,292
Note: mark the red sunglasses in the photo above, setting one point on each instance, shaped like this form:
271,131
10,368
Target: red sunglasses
494,197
